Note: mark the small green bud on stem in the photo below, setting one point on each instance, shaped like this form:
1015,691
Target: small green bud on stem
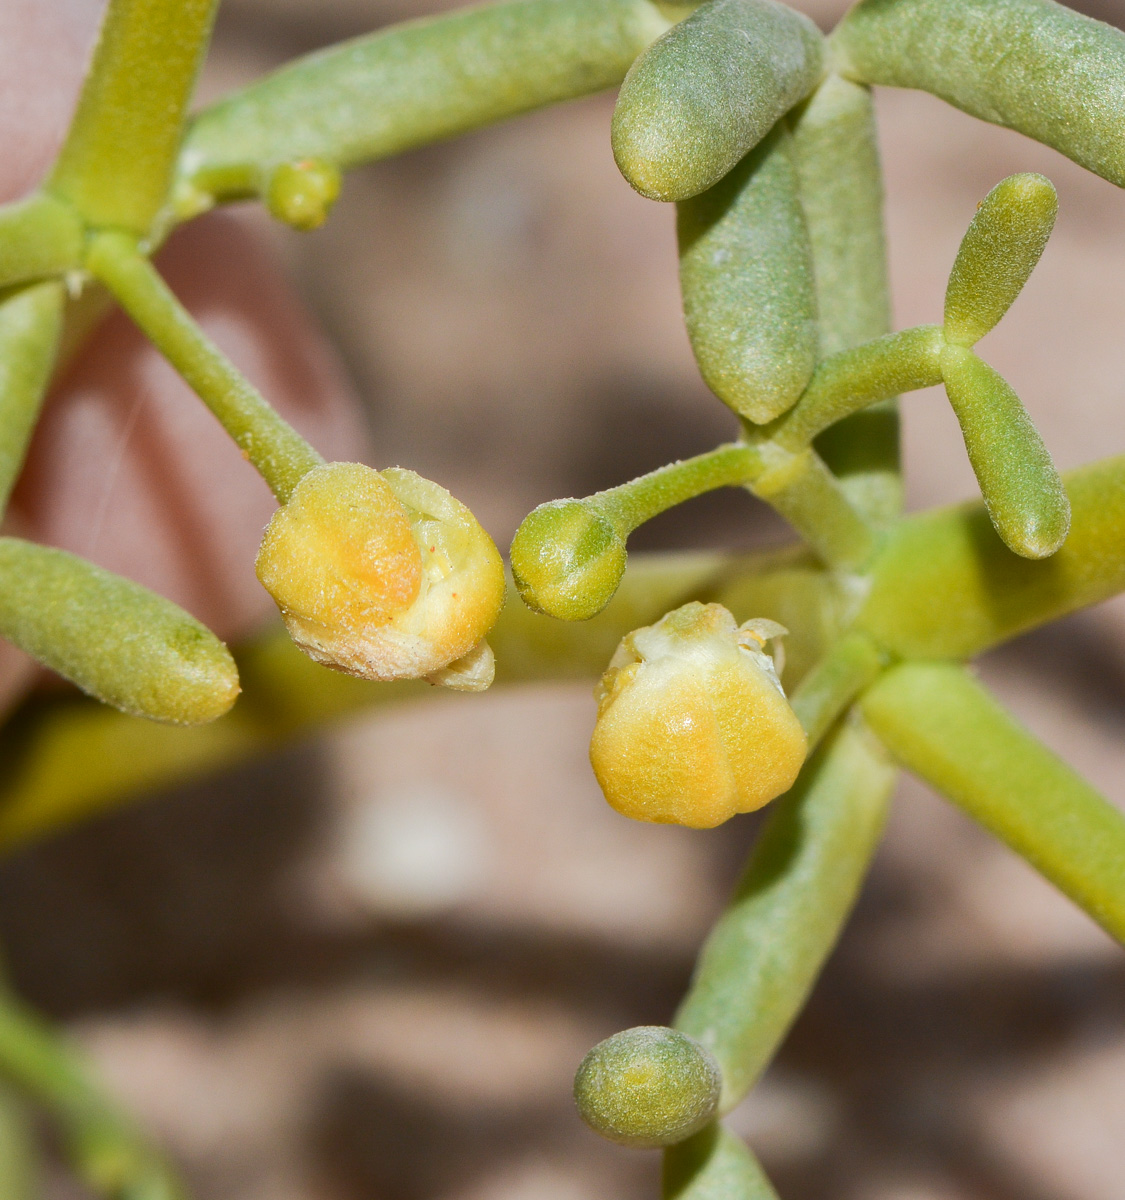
567,559
302,193
646,1087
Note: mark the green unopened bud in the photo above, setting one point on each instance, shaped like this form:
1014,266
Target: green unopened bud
998,254
567,559
116,640
302,193
648,1086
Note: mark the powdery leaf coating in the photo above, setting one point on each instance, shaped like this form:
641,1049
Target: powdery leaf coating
707,92
746,271
1032,65
383,575
693,725
648,1086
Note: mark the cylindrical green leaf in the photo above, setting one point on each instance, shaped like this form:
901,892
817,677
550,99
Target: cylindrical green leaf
416,83
760,961
837,157
698,100
117,162
1022,490
945,586
998,254
116,640
1032,65
30,327
714,1165
942,725
747,278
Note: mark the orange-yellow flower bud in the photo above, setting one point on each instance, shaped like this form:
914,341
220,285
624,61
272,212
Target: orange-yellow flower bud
384,575
693,725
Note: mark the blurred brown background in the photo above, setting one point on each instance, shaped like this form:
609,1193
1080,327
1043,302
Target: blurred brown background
366,970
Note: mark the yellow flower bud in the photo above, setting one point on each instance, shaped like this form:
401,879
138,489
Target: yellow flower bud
384,575
693,725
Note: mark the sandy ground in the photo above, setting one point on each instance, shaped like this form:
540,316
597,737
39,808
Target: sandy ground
366,970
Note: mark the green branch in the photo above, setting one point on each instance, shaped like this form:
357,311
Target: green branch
107,1152
117,163
830,687
281,456
942,725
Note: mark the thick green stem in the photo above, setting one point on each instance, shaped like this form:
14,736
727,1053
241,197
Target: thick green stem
946,586
632,504
714,1165
762,958
810,498
942,725
852,663
279,453
418,83
31,322
117,163
107,1152
39,237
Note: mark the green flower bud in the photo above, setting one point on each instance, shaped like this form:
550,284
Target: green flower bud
302,193
648,1086
567,559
